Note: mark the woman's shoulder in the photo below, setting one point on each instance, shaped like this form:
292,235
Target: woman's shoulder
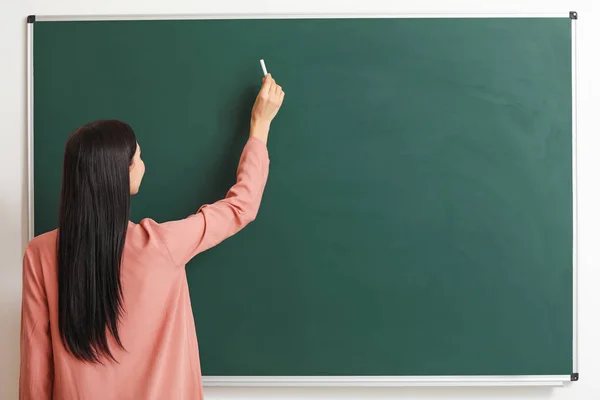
40,252
45,241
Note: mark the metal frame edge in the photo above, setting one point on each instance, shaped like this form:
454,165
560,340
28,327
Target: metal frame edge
129,17
575,196
30,189
385,381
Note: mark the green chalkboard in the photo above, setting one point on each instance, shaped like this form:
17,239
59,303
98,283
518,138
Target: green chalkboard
418,218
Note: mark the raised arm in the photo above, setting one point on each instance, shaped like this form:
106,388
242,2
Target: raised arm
216,222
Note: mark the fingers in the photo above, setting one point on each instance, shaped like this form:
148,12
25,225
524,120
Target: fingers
267,84
273,88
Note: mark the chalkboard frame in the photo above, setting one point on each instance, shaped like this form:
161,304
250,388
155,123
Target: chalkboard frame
353,381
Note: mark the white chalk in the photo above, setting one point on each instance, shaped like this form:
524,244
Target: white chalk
264,67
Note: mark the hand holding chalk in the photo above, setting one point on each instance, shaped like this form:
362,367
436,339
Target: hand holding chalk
268,101
267,104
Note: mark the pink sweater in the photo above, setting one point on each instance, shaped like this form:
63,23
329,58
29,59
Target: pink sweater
161,359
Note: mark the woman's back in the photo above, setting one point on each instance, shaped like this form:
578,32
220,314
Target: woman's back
160,358
155,329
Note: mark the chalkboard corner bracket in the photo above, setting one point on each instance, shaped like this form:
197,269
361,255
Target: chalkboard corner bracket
575,377
30,19
573,14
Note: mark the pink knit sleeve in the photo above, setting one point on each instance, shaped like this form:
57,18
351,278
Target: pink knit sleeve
36,373
216,222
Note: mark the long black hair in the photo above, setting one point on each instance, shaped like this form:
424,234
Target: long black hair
93,221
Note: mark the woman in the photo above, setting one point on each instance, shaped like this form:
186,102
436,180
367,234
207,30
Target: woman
106,311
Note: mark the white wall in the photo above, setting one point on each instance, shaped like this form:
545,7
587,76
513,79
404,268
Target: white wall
12,176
